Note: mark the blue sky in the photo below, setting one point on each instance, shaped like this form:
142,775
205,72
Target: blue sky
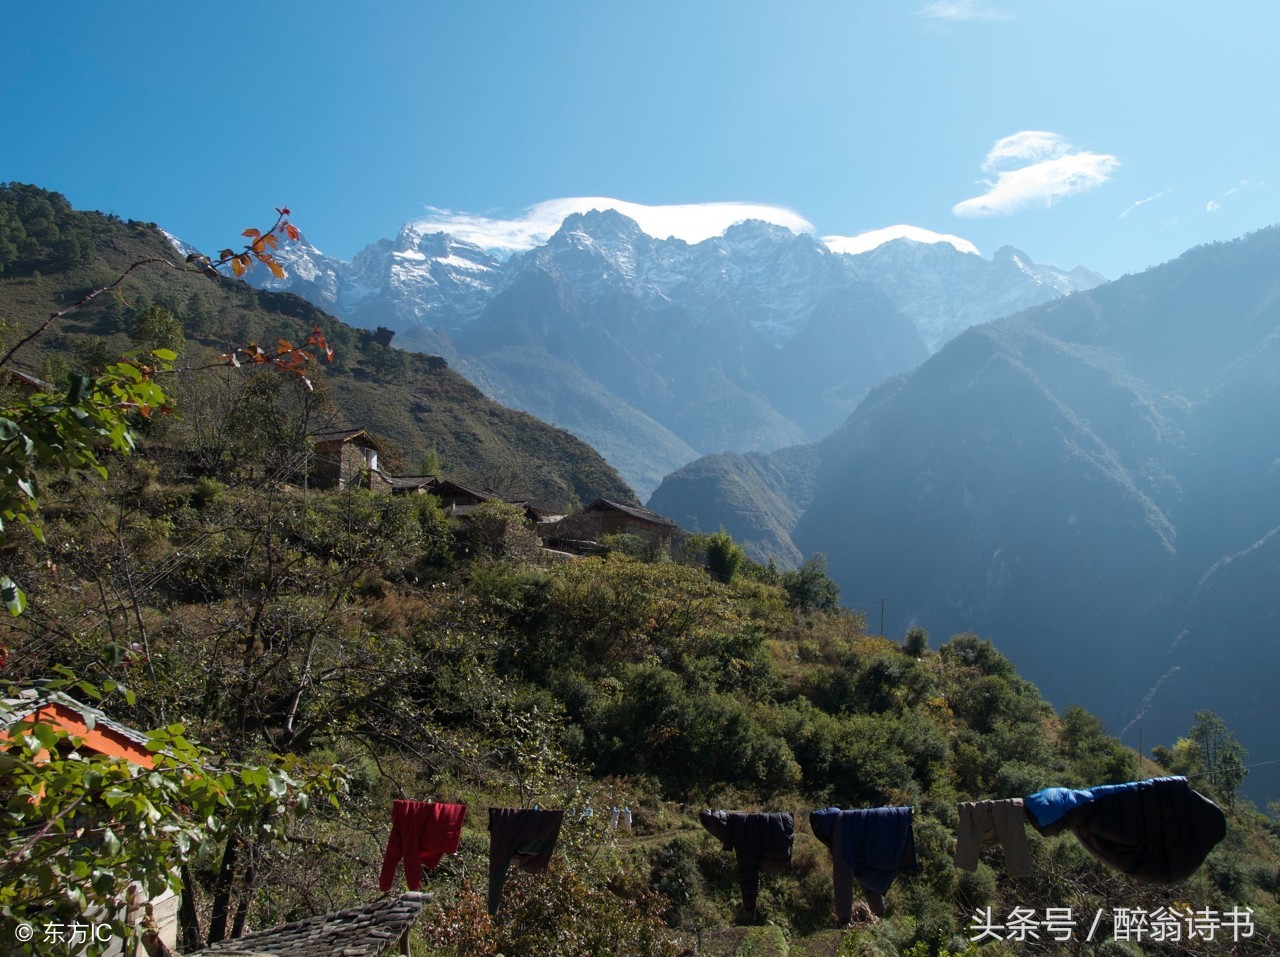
1114,135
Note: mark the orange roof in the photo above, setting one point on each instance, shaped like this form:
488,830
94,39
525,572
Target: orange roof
96,731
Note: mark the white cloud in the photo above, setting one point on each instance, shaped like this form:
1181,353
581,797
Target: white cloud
1143,202
692,222
1212,206
1029,146
962,10
1035,168
865,242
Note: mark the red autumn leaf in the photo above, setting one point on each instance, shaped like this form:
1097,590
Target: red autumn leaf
251,232
291,231
276,269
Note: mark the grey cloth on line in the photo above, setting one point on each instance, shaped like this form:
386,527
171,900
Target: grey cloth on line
983,823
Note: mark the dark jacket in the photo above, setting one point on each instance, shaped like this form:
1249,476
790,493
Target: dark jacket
1156,830
872,845
762,842
527,835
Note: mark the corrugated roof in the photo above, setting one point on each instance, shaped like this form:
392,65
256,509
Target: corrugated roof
369,931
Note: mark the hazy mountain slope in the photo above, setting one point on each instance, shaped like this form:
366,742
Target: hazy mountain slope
1072,482
756,497
557,391
945,291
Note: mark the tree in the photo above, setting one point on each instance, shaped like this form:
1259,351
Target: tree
169,814
723,556
809,589
68,431
498,530
1221,755
917,643
156,328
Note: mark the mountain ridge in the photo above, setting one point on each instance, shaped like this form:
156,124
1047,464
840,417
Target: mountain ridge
788,333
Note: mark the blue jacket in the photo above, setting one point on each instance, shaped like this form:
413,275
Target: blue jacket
876,843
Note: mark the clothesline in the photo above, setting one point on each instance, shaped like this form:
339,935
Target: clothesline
1159,829
1243,767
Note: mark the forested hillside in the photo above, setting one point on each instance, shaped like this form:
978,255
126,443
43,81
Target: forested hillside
368,648
415,405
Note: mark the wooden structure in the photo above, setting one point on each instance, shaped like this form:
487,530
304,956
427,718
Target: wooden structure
605,517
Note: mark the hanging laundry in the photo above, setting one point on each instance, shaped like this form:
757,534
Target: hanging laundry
1158,830
613,818
526,836
761,840
626,817
871,846
983,823
422,832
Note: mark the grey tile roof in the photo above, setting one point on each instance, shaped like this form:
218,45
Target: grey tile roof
412,481
337,435
370,931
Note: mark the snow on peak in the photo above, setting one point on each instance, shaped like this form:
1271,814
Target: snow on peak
865,242
184,249
692,222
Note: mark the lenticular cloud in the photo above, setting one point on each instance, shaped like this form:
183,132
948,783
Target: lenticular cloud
1034,168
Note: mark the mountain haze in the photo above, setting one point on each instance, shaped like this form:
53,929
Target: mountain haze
1094,485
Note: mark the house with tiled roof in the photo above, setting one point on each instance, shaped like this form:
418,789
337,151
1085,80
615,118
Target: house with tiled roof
97,731
606,517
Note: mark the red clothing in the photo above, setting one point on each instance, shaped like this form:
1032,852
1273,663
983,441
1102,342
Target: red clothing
422,832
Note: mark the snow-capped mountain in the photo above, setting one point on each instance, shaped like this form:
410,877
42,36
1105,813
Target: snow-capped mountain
945,291
764,273
418,278
755,339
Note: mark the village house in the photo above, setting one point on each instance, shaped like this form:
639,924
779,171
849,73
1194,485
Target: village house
605,517
345,458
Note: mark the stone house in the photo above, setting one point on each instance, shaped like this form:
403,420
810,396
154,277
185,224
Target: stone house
344,459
